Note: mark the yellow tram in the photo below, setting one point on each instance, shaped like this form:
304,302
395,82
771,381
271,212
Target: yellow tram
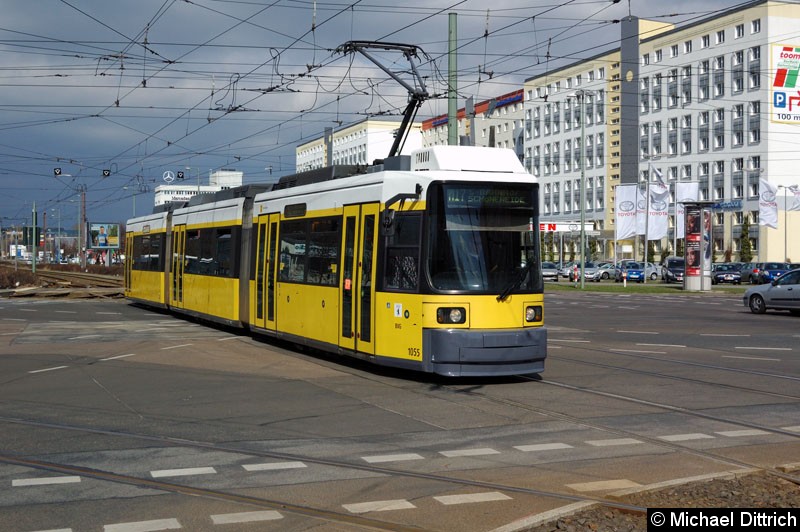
429,263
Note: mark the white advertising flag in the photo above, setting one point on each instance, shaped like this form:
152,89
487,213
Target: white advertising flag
625,211
641,212
795,190
767,204
686,191
658,210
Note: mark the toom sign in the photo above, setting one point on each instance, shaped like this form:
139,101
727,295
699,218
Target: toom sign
564,227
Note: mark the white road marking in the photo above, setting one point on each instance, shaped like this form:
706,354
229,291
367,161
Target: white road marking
111,313
753,358
640,351
795,428
542,447
391,458
686,437
600,485
84,336
469,452
747,432
10,334
378,506
27,310
273,466
65,312
48,369
118,356
13,319
175,346
725,335
468,498
661,345
611,443
766,348
638,332
144,526
226,339
571,341
44,481
183,472
56,530
245,517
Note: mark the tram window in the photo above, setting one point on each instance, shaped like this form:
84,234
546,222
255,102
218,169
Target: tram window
224,253
402,254
293,251
147,252
212,251
323,251
192,252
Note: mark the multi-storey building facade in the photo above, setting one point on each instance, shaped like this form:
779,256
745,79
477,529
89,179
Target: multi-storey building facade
703,102
359,143
498,123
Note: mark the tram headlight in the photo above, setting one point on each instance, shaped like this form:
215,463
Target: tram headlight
533,313
451,315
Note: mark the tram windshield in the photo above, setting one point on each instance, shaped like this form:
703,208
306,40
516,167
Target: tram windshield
481,238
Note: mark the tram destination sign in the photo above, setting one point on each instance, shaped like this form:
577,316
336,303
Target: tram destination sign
495,197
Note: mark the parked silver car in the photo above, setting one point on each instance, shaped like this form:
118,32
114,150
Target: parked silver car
781,294
550,271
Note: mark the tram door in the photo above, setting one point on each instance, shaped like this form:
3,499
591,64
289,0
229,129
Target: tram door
129,258
266,259
178,262
357,278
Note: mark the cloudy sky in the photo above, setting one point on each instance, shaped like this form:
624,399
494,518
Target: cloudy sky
139,87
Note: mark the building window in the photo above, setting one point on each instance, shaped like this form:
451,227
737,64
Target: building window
705,41
687,47
739,33
755,26
673,50
755,53
755,80
658,56
755,136
720,36
646,59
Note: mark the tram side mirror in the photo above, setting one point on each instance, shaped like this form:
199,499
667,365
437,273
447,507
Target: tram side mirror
388,222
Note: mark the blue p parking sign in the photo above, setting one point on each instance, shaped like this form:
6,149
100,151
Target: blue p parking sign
779,100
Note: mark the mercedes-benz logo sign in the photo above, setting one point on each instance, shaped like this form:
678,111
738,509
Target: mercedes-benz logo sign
169,177
659,205
768,196
626,206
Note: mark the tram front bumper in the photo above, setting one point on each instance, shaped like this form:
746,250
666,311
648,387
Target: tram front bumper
459,352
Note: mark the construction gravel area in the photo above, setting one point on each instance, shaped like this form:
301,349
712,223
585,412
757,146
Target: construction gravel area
753,490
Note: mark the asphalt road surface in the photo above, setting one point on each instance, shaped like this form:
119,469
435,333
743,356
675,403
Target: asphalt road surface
118,418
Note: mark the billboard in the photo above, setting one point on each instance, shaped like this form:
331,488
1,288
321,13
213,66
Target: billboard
785,104
103,236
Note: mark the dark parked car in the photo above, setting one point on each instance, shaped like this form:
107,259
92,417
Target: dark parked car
726,273
672,270
771,271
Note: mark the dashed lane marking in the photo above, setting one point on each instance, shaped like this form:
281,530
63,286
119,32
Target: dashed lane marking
118,357
640,351
611,443
175,346
144,526
273,466
14,319
48,369
245,517
391,458
686,437
570,341
22,482
65,312
765,348
469,452
469,498
725,335
183,472
85,336
56,530
746,432
753,358
637,332
661,345
795,428
602,485
542,447
378,506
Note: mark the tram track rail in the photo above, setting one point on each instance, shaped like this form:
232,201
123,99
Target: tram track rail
78,279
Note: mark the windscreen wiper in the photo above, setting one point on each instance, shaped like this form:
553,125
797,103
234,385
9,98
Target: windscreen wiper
518,281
